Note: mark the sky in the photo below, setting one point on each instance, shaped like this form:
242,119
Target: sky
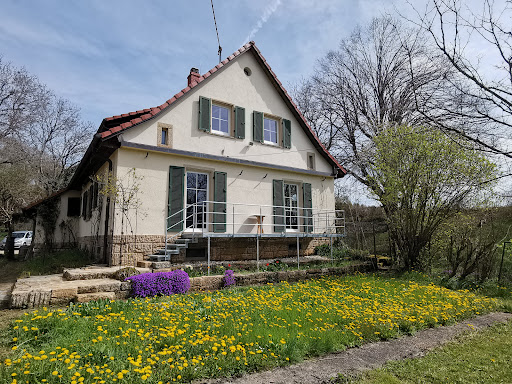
112,57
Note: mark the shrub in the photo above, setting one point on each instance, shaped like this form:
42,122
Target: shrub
338,251
229,278
160,283
276,265
124,273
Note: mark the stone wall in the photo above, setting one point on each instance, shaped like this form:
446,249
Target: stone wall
129,249
240,249
211,283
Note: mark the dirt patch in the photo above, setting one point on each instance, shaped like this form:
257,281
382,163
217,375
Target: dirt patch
369,356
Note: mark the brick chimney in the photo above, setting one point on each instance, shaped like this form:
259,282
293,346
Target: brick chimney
194,76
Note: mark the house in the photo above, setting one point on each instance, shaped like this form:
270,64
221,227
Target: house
229,161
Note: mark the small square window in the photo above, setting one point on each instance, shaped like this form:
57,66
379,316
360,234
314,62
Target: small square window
270,131
220,120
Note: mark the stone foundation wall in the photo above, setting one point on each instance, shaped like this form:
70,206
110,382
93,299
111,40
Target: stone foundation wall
129,249
238,249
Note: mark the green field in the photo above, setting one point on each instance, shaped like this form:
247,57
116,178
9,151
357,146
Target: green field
223,333
475,358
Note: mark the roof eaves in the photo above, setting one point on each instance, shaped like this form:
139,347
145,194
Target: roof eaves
152,112
298,112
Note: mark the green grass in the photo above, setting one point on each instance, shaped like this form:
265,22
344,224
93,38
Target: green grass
501,292
184,337
480,358
54,262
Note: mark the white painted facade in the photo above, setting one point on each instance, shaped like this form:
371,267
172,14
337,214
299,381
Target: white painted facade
250,166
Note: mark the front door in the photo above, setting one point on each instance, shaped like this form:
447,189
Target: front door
197,192
291,206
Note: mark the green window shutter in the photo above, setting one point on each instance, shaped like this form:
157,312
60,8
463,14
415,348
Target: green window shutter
240,123
278,199
89,203
308,205
219,196
205,113
84,205
257,126
175,202
287,133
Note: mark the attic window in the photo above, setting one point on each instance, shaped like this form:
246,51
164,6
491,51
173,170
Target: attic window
164,135
311,161
247,71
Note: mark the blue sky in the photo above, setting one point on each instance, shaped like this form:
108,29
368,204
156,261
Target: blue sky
111,57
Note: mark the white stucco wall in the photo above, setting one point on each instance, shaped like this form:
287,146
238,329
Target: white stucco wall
66,228
254,186
231,85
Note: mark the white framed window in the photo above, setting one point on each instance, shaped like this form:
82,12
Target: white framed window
221,117
291,204
197,193
270,130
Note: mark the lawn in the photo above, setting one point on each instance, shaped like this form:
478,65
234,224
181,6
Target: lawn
475,358
182,337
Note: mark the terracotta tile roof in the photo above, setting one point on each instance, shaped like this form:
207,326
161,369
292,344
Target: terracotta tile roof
116,124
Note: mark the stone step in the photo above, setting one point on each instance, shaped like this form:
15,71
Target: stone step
85,297
183,241
54,290
169,252
192,236
89,273
144,264
177,245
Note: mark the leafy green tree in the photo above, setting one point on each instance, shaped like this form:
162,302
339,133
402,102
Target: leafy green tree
421,177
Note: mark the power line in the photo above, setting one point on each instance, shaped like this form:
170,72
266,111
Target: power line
216,30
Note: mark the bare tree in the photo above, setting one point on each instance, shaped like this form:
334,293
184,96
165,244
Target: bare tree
484,88
19,98
374,80
42,138
57,138
381,86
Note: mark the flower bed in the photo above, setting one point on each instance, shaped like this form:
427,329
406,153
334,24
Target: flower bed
160,283
184,337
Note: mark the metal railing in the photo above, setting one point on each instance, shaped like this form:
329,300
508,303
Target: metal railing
223,219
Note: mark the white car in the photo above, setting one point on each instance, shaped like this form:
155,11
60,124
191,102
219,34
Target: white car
21,238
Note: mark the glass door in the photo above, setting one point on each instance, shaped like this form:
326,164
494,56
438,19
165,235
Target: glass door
197,192
291,206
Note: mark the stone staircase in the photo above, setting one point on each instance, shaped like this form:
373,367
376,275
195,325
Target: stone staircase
175,251
74,285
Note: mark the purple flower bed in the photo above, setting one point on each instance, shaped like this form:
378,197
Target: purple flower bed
160,283
229,278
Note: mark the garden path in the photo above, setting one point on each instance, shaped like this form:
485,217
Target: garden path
369,356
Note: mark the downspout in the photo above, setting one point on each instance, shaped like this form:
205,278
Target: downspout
107,218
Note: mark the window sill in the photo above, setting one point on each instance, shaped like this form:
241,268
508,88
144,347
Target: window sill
271,144
219,133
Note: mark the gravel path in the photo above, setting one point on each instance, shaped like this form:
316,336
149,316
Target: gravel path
369,356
